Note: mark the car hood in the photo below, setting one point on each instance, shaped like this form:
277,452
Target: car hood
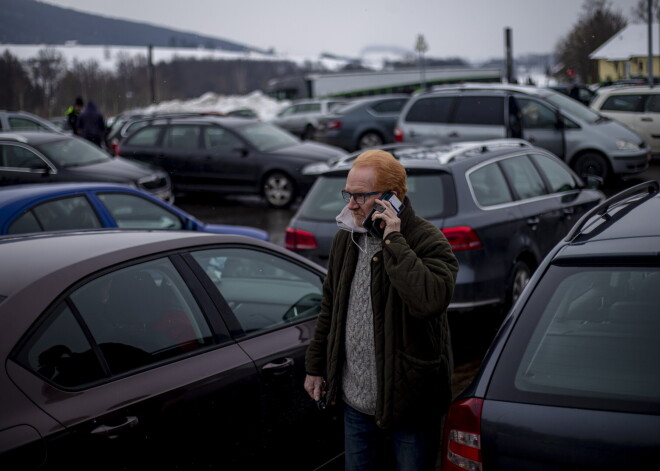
311,151
118,170
619,130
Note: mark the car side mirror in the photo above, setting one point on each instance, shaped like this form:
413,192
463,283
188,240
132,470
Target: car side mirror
594,182
242,151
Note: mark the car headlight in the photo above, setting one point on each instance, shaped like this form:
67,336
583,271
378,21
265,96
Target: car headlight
626,145
315,169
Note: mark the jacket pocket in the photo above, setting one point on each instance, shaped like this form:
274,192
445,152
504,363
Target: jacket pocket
422,389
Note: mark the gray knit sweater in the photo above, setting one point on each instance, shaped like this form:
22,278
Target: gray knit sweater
359,372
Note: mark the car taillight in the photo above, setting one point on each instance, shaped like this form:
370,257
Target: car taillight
398,135
462,238
462,436
334,124
296,239
114,145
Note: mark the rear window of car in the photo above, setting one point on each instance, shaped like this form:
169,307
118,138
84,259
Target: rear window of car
430,110
431,196
588,337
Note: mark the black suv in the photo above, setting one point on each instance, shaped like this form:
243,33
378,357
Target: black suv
502,204
571,380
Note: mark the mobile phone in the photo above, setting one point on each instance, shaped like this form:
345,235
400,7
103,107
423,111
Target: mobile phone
374,228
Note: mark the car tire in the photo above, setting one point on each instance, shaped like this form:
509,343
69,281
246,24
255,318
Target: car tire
369,139
308,133
279,190
520,276
591,163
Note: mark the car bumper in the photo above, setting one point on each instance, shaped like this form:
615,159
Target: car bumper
631,162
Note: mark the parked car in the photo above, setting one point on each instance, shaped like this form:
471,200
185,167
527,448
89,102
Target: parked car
242,113
502,204
158,350
361,123
588,142
19,121
301,117
571,379
66,206
228,155
40,157
638,107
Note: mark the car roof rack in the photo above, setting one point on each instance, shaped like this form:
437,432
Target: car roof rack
631,197
462,148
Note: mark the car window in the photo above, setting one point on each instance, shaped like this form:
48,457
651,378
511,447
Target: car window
266,137
145,137
430,194
653,104
24,124
536,115
182,137
134,212
430,110
625,103
595,339
13,156
135,316
524,177
313,107
559,178
220,139
389,106
61,214
489,185
263,291
73,152
481,110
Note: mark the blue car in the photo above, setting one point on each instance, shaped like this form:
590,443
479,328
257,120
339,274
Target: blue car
49,207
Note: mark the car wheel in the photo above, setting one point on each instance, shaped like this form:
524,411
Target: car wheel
308,133
519,278
370,139
279,190
591,164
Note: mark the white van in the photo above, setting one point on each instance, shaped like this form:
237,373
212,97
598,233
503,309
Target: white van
638,107
590,143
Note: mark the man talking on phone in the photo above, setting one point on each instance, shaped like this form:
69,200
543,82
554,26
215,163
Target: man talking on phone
382,348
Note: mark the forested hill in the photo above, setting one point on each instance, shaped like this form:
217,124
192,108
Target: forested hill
32,22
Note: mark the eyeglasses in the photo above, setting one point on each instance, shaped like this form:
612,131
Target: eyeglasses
359,198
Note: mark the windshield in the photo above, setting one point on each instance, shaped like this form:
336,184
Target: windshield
267,137
73,152
572,107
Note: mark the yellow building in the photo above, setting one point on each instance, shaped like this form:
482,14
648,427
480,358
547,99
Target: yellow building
625,55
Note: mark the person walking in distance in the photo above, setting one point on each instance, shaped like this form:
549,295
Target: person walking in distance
72,114
382,346
91,124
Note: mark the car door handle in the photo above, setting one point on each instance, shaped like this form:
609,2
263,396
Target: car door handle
111,431
454,134
533,222
649,120
279,366
568,211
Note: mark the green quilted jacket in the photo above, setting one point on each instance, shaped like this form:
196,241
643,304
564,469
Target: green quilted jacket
412,281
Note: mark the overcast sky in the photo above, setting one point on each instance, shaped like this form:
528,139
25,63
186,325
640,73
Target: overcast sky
472,29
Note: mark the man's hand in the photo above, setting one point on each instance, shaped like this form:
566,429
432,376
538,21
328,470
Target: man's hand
315,387
388,219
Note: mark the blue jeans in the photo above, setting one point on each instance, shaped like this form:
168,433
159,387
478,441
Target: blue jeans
368,447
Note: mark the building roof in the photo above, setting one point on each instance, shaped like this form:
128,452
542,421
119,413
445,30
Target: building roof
631,41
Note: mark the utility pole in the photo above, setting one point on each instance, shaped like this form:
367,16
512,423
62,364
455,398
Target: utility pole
151,73
508,55
650,58
421,47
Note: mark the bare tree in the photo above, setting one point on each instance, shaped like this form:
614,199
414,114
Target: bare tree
597,23
640,11
46,70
